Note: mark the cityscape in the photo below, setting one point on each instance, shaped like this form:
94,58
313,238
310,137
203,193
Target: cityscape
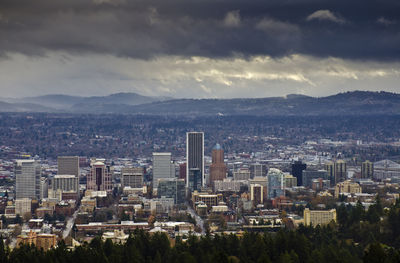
186,131
202,187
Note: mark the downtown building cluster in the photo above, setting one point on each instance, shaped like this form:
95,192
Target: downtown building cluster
78,197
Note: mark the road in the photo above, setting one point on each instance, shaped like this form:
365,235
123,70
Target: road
199,220
70,223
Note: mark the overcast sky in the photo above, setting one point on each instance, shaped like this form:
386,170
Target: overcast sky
198,48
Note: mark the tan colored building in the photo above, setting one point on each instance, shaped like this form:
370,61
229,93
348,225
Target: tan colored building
347,187
290,181
208,199
41,241
319,217
88,204
23,206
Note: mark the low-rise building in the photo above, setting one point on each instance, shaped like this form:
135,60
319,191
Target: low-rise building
206,198
319,217
347,187
41,241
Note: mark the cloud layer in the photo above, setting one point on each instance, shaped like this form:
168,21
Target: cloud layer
198,77
225,28
191,48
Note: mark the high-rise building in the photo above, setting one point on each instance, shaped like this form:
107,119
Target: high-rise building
65,183
241,174
337,171
27,179
258,170
68,165
195,160
256,194
99,178
23,206
162,167
217,167
297,171
310,175
340,171
172,188
182,171
132,177
330,169
276,183
367,169
290,181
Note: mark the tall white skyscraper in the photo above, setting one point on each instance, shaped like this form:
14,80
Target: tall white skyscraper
162,167
27,179
195,178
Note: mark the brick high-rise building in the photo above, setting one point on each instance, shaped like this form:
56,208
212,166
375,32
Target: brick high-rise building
218,167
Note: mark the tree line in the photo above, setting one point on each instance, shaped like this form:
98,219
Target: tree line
359,235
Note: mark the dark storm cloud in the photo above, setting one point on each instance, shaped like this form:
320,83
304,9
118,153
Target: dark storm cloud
144,29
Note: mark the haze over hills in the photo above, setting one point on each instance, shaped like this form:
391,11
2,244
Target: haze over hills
349,103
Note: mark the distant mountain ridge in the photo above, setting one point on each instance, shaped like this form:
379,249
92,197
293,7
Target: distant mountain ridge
347,103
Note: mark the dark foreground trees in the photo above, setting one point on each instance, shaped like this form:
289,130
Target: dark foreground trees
361,235
304,245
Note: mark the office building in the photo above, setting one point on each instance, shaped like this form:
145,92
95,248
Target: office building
132,177
172,188
276,183
206,198
182,171
241,174
330,169
44,187
195,178
162,167
27,179
68,165
367,169
99,177
386,169
340,171
347,187
65,183
258,170
297,171
257,194
319,217
261,180
40,241
23,206
310,175
320,184
290,181
217,167
229,185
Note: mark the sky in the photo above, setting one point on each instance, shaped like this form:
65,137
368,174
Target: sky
198,48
